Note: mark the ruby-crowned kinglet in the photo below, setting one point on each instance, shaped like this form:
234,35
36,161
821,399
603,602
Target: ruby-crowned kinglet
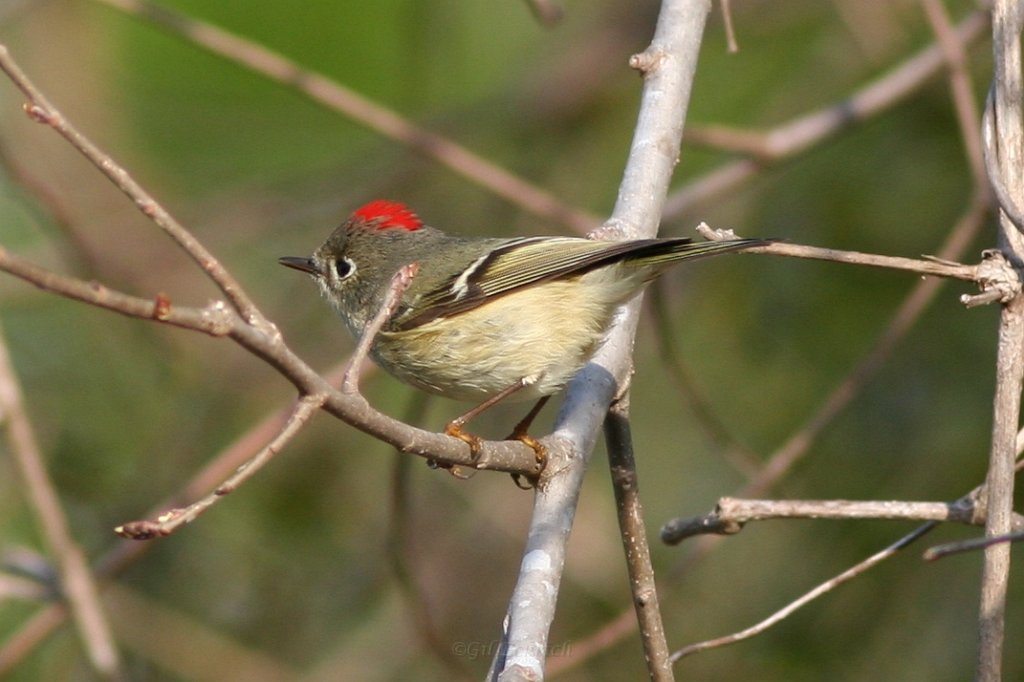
485,315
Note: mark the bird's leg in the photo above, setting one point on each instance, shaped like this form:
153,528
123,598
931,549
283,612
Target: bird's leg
454,427
520,433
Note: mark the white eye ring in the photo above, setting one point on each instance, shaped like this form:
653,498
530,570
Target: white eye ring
344,268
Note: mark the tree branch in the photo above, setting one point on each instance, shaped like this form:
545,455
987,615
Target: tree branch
825,587
803,132
40,109
321,89
633,530
76,580
1007,21
668,66
731,514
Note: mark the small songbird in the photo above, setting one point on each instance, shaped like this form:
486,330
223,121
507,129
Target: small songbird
485,318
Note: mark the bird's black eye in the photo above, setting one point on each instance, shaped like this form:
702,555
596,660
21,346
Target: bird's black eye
344,268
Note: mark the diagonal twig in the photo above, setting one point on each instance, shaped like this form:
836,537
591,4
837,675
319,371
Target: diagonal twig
823,588
801,133
399,283
77,583
667,65
170,521
633,530
41,110
364,111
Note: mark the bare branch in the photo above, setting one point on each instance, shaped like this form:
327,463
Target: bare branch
801,133
818,591
1007,21
399,283
41,110
928,266
77,584
364,111
668,67
170,521
961,87
974,544
731,514
633,530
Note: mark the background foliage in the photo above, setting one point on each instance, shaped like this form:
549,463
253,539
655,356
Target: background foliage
295,567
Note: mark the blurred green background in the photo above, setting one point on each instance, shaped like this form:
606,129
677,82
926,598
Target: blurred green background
294,568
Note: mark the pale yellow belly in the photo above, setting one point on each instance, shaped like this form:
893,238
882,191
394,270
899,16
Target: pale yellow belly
473,355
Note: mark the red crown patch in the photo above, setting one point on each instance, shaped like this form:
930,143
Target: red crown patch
386,214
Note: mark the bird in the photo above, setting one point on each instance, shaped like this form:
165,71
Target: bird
486,319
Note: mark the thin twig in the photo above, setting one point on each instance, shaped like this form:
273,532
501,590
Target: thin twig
818,591
731,514
77,583
399,283
218,320
730,31
171,520
41,110
667,65
805,131
972,545
990,146
619,441
960,86
796,447
1007,19
926,266
321,89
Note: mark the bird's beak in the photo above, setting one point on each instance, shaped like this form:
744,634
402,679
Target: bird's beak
303,264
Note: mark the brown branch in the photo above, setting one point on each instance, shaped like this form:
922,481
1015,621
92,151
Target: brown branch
77,584
929,266
961,87
633,530
399,283
217,319
803,132
796,447
41,110
818,591
170,521
364,111
1008,81
731,514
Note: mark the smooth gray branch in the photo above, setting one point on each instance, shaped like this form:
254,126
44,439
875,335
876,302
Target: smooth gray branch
669,64
731,514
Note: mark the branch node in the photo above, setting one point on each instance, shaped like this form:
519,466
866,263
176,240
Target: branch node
647,61
997,279
161,307
38,113
217,318
715,235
